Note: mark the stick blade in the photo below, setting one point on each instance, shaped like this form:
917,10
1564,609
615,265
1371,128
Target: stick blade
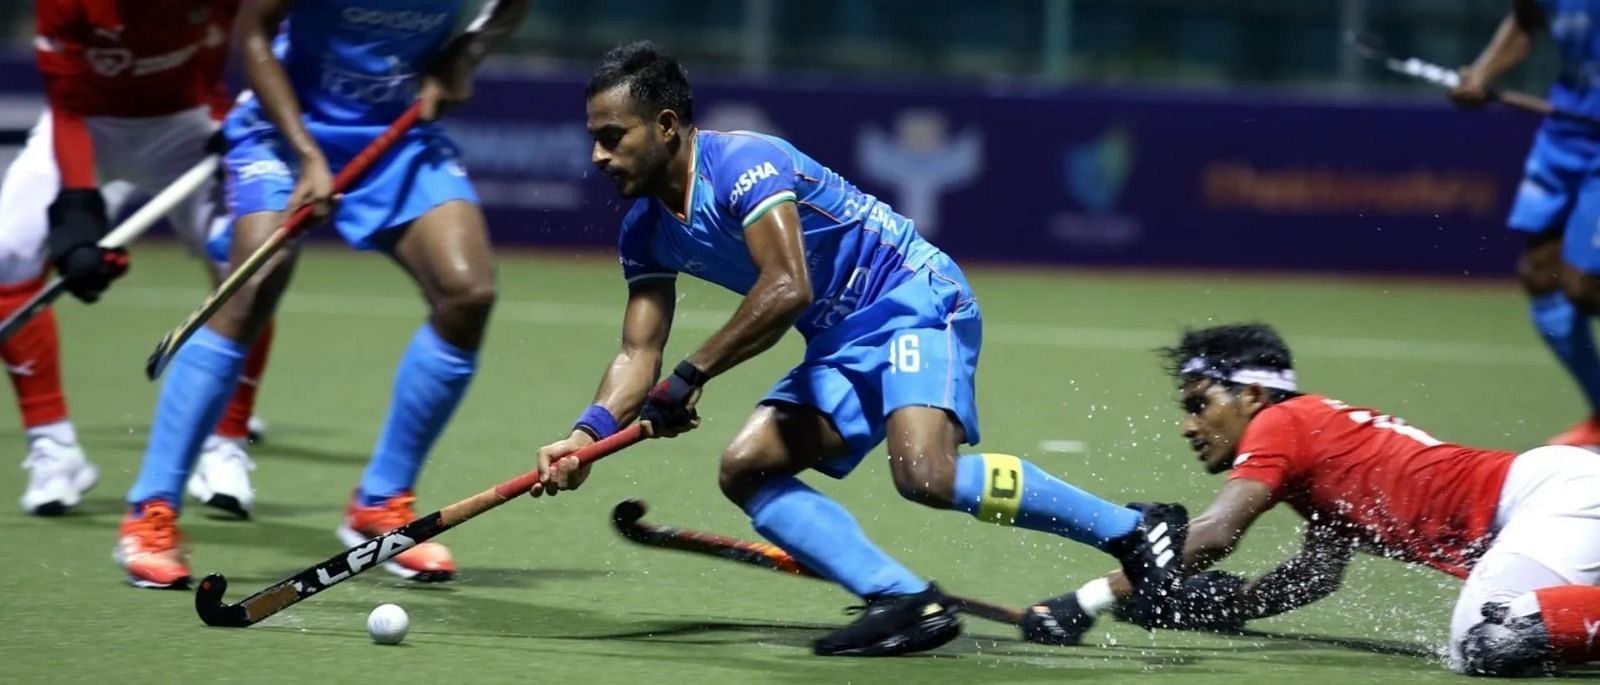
208,604
628,512
159,358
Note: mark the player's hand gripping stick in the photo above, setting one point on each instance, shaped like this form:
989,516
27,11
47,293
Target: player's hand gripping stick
298,223
119,237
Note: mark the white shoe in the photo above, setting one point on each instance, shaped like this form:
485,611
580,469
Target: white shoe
257,427
58,475
221,479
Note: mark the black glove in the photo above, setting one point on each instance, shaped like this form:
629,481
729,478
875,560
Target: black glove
217,143
1060,621
1212,601
77,223
670,405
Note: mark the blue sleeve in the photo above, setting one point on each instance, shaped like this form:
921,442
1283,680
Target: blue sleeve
752,176
639,261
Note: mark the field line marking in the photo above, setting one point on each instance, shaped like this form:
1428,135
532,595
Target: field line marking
1139,341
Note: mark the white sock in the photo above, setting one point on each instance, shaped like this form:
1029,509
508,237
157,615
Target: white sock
1525,604
1095,596
60,431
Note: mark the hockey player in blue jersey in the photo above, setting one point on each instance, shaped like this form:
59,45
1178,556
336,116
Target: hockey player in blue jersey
892,337
336,76
1557,206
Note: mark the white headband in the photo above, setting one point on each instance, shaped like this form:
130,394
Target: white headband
1275,379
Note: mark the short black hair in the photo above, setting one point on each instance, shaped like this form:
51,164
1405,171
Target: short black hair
655,79
1226,349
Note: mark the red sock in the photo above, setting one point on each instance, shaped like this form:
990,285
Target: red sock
1572,618
235,421
33,358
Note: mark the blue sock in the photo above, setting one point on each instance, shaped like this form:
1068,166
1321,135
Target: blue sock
197,388
1568,334
826,538
1003,489
430,382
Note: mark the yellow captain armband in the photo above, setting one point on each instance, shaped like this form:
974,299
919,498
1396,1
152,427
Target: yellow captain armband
1002,489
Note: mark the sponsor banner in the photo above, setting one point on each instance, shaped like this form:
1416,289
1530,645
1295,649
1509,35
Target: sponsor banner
1073,177
1057,177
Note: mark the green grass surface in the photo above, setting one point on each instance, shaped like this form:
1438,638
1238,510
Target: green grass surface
549,593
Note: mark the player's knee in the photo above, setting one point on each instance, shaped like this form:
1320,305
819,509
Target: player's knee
467,303
252,305
1583,290
926,477
1539,268
19,268
22,254
743,470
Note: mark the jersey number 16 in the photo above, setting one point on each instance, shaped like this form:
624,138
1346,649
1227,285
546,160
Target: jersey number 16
905,354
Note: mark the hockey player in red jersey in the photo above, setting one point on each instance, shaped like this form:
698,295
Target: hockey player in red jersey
1522,530
134,92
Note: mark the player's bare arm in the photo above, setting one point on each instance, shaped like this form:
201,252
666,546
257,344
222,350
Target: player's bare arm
449,82
1511,44
1214,534
270,84
781,293
1316,572
646,324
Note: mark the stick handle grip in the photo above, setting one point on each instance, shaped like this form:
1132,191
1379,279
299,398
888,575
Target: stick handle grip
296,224
459,512
358,166
623,438
1524,101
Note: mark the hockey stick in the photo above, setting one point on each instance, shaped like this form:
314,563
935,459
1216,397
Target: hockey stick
297,224
628,517
1368,47
340,567
126,232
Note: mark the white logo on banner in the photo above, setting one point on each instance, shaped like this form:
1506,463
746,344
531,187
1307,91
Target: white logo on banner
921,162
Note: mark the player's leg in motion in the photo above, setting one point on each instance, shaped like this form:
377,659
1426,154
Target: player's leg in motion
1009,491
929,397
1567,329
239,422
1557,209
447,252
198,384
221,477
58,471
904,613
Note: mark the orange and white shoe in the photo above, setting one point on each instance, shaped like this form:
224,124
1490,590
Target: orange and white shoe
150,547
1585,433
427,562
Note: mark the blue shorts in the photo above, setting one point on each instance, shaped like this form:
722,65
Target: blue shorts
419,173
1560,194
916,345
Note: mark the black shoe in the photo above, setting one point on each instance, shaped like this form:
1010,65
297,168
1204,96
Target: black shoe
1059,621
1507,646
895,624
1151,557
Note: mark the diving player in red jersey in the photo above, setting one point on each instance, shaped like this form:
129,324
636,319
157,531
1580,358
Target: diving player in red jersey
134,92
1522,530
